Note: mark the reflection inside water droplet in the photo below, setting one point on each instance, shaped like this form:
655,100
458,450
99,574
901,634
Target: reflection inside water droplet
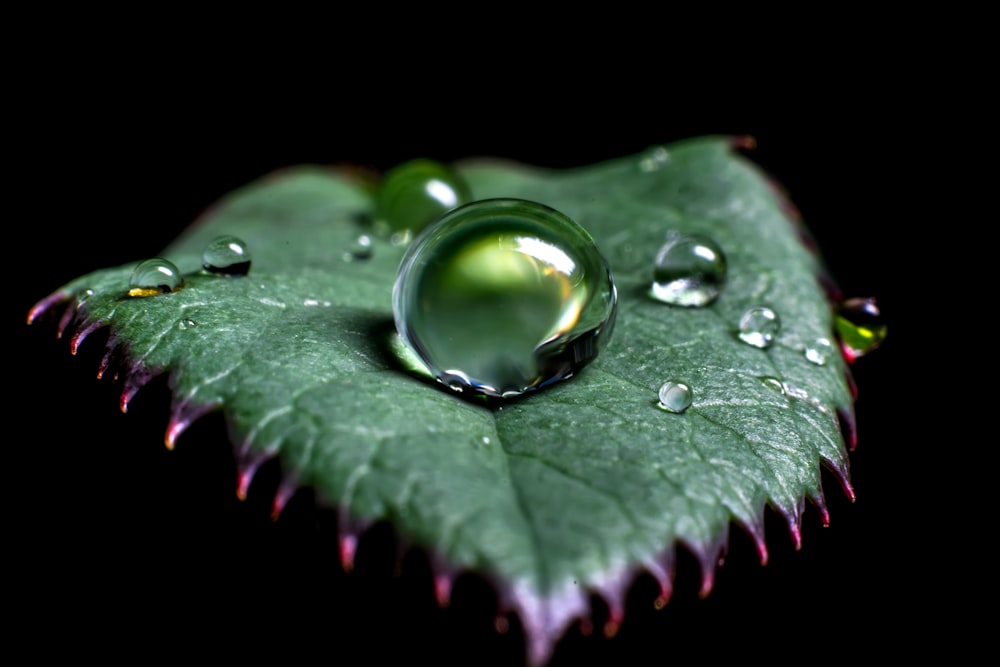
154,276
414,194
758,326
819,351
226,255
674,396
360,249
774,384
689,270
860,326
503,296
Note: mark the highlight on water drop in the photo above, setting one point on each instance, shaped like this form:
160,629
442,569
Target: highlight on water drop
674,396
759,325
154,276
414,194
226,255
360,249
689,270
504,296
818,351
860,326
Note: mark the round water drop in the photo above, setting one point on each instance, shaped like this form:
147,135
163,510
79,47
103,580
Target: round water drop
860,326
674,396
773,383
414,194
154,276
227,255
758,326
504,296
359,249
689,270
819,351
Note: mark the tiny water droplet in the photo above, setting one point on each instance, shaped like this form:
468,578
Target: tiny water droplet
504,296
154,276
860,326
84,295
819,351
758,326
674,396
226,255
654,159
414,194
690,270
773,383
187,324
360,249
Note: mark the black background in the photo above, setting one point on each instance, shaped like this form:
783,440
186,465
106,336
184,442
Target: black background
117,537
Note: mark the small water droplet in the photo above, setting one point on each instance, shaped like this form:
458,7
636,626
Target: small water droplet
674,396
154,276
860,326
758,326
819,351
187,324
360,249
690,270
504,296
654,159
773,383
414,194
84,295
226,255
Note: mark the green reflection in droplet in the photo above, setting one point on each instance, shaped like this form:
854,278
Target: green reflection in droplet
503,296
674,396
689,270
860,326
414,194
226,255
154,276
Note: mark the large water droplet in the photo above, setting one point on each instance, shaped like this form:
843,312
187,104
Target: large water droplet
227,255
860,326
758,326
154,276
819,351
674,396
689,270
503,296
414,194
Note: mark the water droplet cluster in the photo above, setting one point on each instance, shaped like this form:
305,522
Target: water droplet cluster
503,296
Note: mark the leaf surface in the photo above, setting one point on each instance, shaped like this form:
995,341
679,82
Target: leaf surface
564,492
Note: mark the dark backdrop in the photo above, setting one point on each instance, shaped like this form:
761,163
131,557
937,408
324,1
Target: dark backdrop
122,538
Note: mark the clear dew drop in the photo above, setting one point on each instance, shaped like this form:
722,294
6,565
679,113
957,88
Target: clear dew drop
759,326
503,296
860,326
226,255
414,194
154,276
360,249
689,270
674,396
773,383
819,351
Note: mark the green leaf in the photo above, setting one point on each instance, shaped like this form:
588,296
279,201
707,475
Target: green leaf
571,490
